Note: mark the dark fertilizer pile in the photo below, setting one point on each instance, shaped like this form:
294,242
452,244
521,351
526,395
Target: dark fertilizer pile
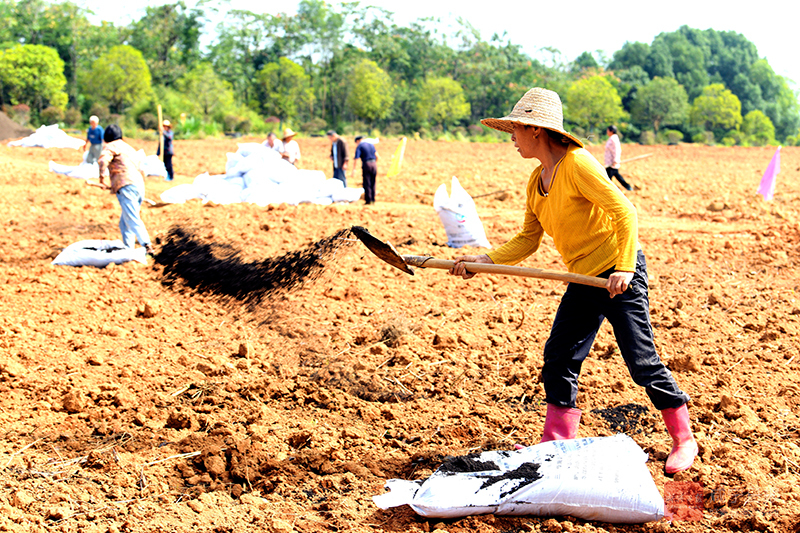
220,270
466,463
623,418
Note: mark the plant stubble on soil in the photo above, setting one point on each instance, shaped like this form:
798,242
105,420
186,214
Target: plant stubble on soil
127,404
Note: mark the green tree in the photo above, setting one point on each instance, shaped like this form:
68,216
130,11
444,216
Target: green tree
371,96
717,109
441,101
628,83
659,61
758,129
688,61
284,89
63,26
779,101
315,38
8,22
662,102
408,53
169,38
493,74
60,26
245,42
211,95
592,102
32,74
632,54
584,61
119,78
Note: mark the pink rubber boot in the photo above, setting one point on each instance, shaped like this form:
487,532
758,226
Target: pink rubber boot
684,447
561,423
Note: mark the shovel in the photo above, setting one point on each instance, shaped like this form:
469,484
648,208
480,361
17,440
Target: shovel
386,251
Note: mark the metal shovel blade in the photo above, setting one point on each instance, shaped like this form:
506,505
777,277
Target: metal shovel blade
383,250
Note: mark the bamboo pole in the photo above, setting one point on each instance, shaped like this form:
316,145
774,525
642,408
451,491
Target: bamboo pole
635,158
160,133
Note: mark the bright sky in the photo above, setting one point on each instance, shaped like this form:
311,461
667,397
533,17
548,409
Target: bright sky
571,27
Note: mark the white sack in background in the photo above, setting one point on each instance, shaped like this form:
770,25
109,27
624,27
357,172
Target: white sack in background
149,165
99,253
459,216
152,165
49,137
181,193
84,171
603,479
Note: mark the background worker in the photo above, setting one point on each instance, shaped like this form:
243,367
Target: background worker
338,156
595,229
169,149
119,162
613,157
94,140
291,150
273,142
365,151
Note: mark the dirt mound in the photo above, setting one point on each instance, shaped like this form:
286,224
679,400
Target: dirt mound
10,129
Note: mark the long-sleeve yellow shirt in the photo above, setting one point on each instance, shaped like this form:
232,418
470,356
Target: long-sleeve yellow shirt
593,225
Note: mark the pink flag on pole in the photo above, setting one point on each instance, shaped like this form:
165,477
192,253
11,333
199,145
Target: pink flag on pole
767,186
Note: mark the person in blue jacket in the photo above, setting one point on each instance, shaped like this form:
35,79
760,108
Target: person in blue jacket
94,140
365,151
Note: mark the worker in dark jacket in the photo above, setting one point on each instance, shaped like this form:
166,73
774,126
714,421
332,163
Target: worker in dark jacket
338,156
169,149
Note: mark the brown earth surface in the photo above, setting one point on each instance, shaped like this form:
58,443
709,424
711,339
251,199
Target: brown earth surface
129,406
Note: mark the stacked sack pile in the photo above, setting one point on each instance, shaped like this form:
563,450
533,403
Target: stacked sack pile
258,175
49,137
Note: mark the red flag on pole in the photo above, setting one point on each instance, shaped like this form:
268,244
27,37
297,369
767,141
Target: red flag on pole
767,186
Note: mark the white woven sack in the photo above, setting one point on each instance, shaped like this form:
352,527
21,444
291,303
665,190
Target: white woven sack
181,193
99,253
459,216
603,479
153,166
84,171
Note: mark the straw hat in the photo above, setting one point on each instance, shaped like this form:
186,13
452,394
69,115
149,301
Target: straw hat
288,133
166,123
538,107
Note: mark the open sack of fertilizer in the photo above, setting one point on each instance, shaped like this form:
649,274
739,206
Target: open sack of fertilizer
258,175
603,479
99,253
49,137
149,165
459,216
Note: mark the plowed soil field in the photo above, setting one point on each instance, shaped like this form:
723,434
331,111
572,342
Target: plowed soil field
129,406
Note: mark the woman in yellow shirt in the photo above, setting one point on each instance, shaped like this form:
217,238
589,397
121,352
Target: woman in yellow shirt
594,228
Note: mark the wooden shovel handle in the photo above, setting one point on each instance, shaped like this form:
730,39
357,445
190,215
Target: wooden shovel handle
508,270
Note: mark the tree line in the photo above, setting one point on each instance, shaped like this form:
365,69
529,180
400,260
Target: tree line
350,67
